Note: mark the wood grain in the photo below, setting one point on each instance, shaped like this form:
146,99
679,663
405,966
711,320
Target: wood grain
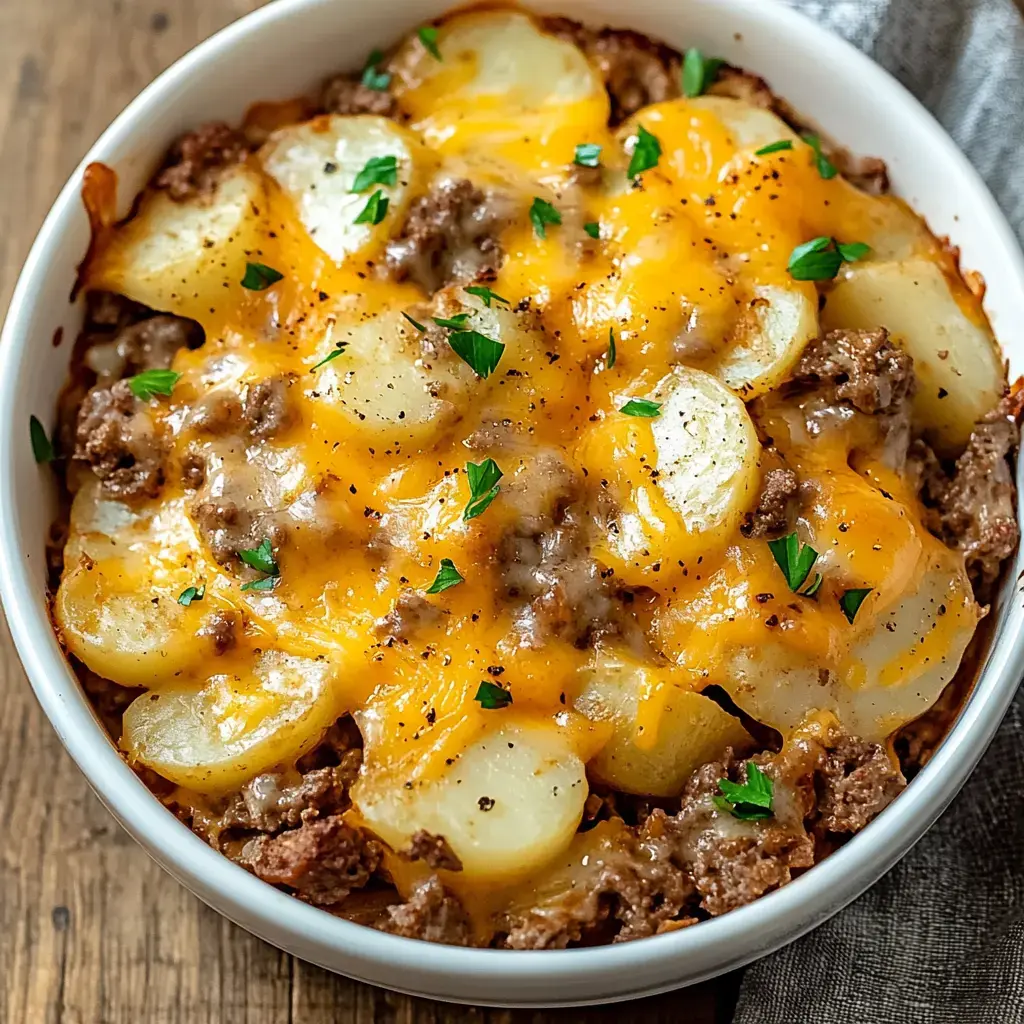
91,931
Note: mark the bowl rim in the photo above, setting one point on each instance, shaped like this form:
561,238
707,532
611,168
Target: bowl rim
777,917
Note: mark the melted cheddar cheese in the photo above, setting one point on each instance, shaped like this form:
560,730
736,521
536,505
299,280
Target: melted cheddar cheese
364,488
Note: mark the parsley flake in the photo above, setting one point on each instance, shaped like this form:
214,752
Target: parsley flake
481,353
699,72
826,168
774,147
373,79
795,560
190,594
646,152
259,277
642,407
447,576
543,213
375,210
456,322
593,229
419,327
378,170
610,361
428,37
748,801
267,583
153,382
588,154
820,258
42,446
485,295
261,558
483,487
814,587
491,697
342,345
851,601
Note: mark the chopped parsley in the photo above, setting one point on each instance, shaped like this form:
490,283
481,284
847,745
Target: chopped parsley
428,37
447,576
153,382
259,277
491,697
378,170
342,345
481,353
610,360
373,79
826,168
820,258
42,446
642,407
588,154
593,229
267,583
699,72
261,558
455,323
190,594
543,213
795,560
748,801
774,147
851,601
375,210
419,327
483,486
485,295
815,586
646,152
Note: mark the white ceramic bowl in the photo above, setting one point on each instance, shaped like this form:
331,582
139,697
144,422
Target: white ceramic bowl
278,52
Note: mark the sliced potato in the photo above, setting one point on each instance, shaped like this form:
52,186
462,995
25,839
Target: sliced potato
750,127
958,366
509,804
663,730
214,738
316,164
187,257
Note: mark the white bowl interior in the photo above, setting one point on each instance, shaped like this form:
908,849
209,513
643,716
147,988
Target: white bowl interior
285,49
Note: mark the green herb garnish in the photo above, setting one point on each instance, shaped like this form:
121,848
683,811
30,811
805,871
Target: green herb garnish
261,558
42,446
419,327
646,152
483,486
543,213
481,353
342,345
699,72
749,801
259,277
153,382
642,407
610,360
774,147
267,583
373,79
190,594
378,170
820,258
814,587
491,697
485,295
375,210
447,576
428,37
795,560
826,168
455,323
851,601
593,229
588,154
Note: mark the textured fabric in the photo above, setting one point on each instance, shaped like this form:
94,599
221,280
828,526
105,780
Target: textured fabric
940,939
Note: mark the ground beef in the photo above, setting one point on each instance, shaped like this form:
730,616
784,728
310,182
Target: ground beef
973,508
145,344
433,850
868,173
345,94
322,860
449,235
858,781
267,410
432,914
222,629
115,434
229,528
775,504
216,413
197,160
411,613
862,368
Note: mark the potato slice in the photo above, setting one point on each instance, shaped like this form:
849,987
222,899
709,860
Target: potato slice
187,258
214,738
316,164
750,127
958,365
663,730
509,804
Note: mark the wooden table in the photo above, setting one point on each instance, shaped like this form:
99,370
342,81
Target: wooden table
91,931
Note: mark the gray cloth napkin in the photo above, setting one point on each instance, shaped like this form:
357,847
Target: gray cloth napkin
940,938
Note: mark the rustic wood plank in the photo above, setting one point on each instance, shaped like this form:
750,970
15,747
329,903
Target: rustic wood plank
91,931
